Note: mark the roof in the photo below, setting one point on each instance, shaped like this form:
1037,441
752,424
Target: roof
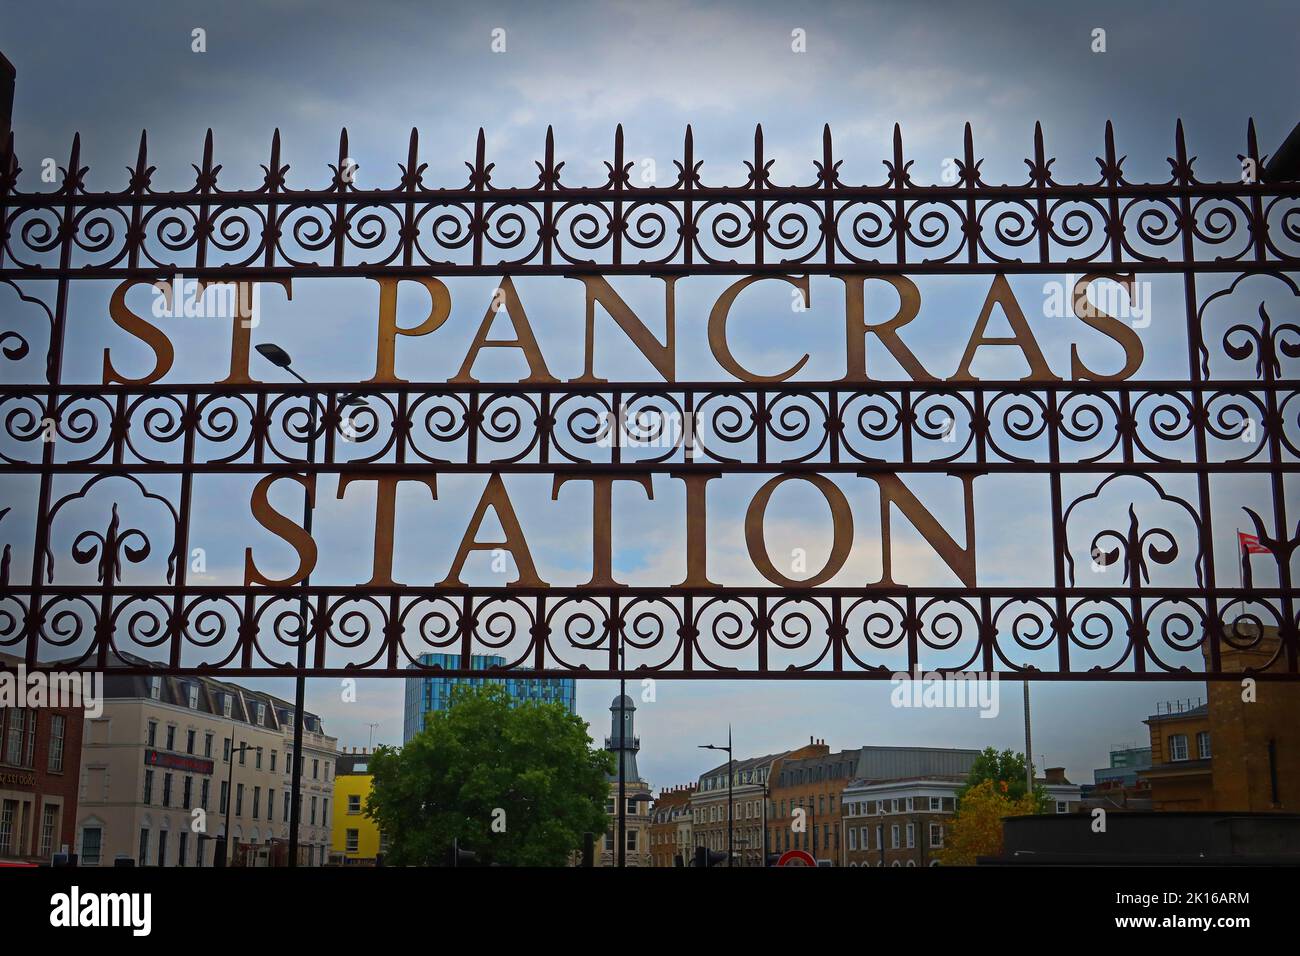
346,764
175,690
901,763
1198,711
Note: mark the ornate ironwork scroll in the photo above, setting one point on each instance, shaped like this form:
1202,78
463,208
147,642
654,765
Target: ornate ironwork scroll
1171,440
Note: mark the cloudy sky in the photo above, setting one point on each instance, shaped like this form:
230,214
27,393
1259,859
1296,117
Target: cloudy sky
380,69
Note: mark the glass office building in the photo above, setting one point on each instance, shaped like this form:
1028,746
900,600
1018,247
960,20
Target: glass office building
429,692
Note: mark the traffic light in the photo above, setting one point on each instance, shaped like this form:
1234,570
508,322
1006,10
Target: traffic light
705,857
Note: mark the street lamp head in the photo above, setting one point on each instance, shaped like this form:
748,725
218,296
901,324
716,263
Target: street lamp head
274,354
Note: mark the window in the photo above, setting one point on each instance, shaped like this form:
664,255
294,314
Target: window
239,799
187,793
207,745
49,823
353,841
203,794
148,786
1203,745
631,805
257,801
257,762
286,808
631,839
171,737
354,804
936,835
315,769
184,842
194,705
243,754
272,761
853,839
894,834
934,804
91,840
152,736
911,835
8,810
1178,747
57,728
261,714
167,790
162,848
189,741
225,797
325,810
225,750
313,811
14,745
142,858
155,692
270,805
227,704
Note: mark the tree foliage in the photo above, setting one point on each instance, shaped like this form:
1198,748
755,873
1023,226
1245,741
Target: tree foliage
517,783
1005,768
976,830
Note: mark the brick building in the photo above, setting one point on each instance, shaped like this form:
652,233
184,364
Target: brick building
40,769
810,779
670,827
1237,751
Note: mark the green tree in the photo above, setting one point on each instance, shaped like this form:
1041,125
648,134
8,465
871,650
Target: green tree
976,830
1008,770
518,783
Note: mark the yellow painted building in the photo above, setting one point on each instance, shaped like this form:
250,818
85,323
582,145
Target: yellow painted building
356,840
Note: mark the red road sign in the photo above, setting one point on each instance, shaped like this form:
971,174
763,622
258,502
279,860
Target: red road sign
796,858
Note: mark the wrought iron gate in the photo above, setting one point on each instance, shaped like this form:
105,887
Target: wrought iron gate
62,441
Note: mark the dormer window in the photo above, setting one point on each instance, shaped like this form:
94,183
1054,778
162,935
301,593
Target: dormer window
261,714
194,696
227,704
155,688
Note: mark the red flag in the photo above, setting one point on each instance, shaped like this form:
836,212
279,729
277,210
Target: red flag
1250,544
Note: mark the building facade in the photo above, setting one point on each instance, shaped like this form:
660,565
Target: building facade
427,692
171,759
904,822
720,816
804,801
356,838
670,827
40,765
1179,776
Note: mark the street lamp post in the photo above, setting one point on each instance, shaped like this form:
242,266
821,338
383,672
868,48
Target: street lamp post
622,781
280,358
230,790
730,778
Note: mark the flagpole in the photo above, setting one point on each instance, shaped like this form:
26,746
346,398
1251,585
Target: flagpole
1241,584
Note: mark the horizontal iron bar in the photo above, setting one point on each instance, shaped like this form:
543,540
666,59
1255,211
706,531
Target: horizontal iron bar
561,592
640,673
652,467
811,195
635,388
676,268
